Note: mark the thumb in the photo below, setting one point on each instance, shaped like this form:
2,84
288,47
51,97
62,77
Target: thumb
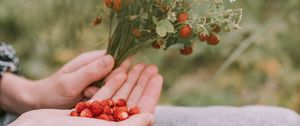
145,119
90,73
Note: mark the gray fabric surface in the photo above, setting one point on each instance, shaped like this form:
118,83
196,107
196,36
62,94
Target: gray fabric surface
226,116
217,116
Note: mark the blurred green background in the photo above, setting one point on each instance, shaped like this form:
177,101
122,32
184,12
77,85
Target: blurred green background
259,64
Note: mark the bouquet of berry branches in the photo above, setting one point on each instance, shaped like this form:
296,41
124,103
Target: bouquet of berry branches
136,25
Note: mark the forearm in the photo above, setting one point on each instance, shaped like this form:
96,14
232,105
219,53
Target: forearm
16,94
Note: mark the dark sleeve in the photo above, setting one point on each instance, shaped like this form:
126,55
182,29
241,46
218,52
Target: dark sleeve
9,62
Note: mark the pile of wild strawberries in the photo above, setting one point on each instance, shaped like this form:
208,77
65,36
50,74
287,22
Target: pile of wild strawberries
108,110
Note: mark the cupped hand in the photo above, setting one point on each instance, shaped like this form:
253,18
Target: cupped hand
48,117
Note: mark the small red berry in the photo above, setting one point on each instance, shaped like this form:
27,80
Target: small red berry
108,3
97,21
186,51
80,106
96,108
111,118
203,37
213,39
104,117
215,28
156,45
107,110
134,111
86,113
182,17
185,32
136,33
121,109
120,115
121,103
74,113
117,5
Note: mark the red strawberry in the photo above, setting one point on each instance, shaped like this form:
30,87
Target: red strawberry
120,115
185,32
107,110
97,21
96,108
111,118
134,111
215,28
182,17
86,113
156,45
80,106
136,33
121,109
117,5
213,39
203,37
121,103
104,117
111,103
74,113
108,3
186,51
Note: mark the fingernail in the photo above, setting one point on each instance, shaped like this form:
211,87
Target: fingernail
121,76
152,69
108,60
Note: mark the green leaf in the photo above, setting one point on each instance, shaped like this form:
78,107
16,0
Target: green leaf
163,27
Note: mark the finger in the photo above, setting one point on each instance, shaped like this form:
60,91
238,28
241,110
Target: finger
90,92
151,94
110,88
141,85
133,76
139,120
85,76
82,60
123,68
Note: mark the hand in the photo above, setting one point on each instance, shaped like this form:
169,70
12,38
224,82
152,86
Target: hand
142,87
60,117
61,90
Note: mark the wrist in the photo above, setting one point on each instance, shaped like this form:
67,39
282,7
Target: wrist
17,94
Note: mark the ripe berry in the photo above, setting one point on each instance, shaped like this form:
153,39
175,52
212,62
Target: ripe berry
182,17
117,5
121,103
96,108
111,118
203,37
185,32
74,113
213,39
215,28
108,3
120,115
136,33
134,111
120,109
107,110
86,113
186,51
104,117
97,21
156,45
80,106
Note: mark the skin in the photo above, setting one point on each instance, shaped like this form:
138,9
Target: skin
140,86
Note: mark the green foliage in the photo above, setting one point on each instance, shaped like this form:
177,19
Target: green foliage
259,64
